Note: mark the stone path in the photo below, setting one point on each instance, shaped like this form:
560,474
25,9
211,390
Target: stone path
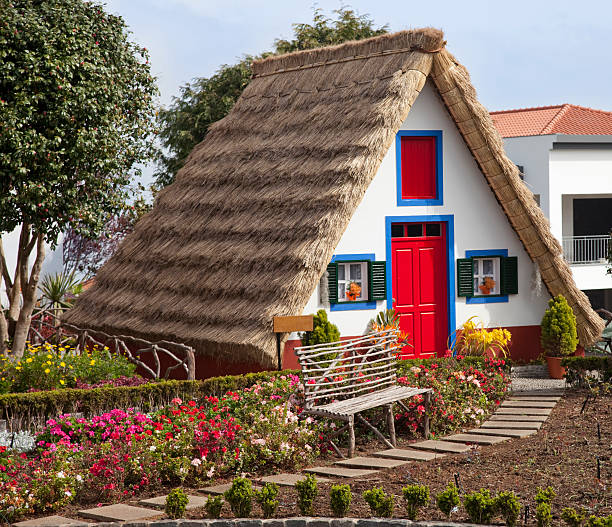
119,513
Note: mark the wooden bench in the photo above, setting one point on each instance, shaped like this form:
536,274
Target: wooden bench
343,379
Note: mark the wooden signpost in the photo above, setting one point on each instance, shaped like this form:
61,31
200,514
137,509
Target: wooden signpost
289,324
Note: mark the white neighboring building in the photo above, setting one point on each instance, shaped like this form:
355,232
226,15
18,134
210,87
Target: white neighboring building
565,154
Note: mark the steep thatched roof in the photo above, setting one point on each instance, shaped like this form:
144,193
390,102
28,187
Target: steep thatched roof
253,218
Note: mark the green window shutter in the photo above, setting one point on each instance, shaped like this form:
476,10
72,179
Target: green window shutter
332,282
378,280
509,275
465,277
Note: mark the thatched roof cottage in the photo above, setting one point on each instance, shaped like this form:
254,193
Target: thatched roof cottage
353,178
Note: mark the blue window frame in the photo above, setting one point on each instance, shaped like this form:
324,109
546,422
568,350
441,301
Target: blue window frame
353,306
484,299
437,134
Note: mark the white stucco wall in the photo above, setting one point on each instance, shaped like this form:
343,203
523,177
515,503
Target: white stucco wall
479,223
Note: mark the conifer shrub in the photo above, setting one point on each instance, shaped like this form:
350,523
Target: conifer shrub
380,503
340,499
307,490
323,331
572,517
508,506
213,506
480,506
266,498
240,497
559,336
415,496
543,500
176,503
448,499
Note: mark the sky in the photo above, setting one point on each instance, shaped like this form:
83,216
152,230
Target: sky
519,53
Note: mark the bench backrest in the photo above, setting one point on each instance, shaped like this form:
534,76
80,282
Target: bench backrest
348,368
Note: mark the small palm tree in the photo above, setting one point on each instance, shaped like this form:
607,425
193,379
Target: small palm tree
59,290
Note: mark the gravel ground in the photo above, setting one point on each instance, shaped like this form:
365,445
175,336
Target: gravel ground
521,384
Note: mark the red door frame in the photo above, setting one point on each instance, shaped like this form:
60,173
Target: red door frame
426,314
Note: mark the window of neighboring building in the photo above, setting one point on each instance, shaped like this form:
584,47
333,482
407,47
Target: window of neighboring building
352,281
419,167
356,281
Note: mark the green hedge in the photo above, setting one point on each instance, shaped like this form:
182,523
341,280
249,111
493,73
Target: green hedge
577,369
28,410
465,362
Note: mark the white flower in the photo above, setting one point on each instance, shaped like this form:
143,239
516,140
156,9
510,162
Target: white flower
209,473
285,446
196,462
68,493
308,448
152,448
79,478
415,370
259,441
61,475
308,420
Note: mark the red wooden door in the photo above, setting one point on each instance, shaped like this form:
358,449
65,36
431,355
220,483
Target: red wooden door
420,295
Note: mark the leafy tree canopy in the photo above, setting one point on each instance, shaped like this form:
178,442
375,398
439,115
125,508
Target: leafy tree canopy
76,113
206,100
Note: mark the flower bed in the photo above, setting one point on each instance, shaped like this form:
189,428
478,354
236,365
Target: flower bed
48,367
463,395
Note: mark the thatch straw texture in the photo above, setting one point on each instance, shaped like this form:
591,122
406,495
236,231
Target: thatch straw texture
254,216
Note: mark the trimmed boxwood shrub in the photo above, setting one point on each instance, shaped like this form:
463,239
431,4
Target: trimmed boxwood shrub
33,409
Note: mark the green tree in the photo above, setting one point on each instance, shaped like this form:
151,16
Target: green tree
206,100
559,336
76,115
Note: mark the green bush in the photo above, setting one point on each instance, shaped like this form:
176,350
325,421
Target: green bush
572,517
578,368
480,506
594,521
30,409
543,508
559,337
415,496
307,490
266,497
323,331
508,506
176,503
240,497
448,499
380,504
213,506
340,499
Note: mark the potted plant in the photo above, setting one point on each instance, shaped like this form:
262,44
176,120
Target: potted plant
559,337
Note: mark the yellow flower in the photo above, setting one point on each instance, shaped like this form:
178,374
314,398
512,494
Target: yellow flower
71,367
29,359
49,356
62,382
92,362
47,370
63,364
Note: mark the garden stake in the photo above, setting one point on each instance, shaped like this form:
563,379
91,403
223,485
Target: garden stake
585,403
526,514
598,433
12,439
458,482
598,468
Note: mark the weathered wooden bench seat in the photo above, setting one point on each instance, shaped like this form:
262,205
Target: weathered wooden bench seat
343,379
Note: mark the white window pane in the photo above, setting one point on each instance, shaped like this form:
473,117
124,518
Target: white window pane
476,291
487,267
355,271
341,290
341,273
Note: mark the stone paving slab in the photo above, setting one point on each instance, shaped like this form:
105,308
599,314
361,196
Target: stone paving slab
537,398
288,480
370,463
508,417
517,403
526,425
50,521
341,472
119,513
506,432
475,438
523,411
220,489
553,393
441,446
159,502
408,455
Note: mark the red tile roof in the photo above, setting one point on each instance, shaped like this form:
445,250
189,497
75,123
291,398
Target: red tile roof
545,120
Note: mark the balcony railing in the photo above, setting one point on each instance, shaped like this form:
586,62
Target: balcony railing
586,249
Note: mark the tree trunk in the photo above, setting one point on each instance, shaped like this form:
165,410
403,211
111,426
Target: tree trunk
4,337
29,295
14,294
